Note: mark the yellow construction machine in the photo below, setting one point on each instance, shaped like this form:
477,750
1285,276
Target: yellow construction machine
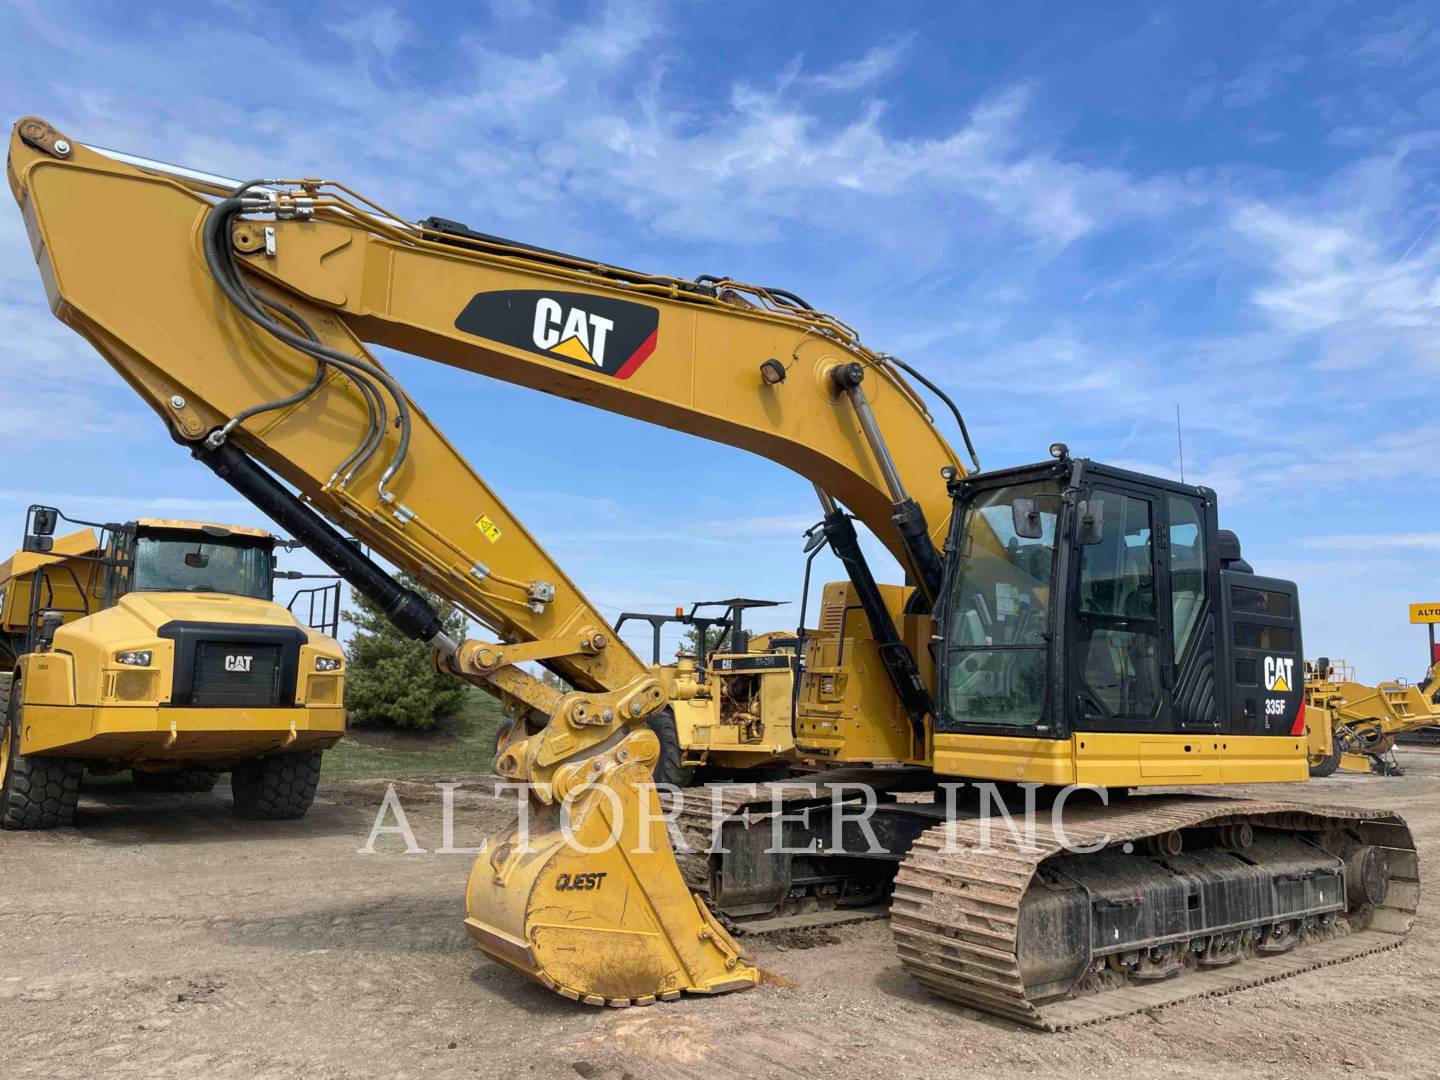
732,710
157,646
1061,623
1363,721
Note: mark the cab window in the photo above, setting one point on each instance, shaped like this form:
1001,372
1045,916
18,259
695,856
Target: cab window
1187,570
1118,634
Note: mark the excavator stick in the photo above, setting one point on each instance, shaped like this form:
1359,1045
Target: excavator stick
586,896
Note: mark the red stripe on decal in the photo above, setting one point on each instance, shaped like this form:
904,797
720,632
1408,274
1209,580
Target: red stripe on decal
639,356
1298,727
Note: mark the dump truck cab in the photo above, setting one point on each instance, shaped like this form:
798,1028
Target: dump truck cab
157,646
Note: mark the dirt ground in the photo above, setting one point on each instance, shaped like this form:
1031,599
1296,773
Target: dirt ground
162,938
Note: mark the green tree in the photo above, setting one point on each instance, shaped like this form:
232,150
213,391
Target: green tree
715,637
389,680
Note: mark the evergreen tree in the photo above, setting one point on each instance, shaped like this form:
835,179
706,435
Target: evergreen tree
715,637
389,679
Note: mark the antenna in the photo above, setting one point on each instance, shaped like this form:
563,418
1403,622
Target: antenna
1180,441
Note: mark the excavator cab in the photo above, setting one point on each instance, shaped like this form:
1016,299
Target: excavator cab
1098,607
1094,625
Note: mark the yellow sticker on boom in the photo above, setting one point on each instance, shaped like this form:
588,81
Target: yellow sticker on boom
489,528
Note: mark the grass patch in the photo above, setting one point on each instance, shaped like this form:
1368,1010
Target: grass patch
463,745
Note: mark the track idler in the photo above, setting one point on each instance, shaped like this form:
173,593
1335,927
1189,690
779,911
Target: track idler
603,915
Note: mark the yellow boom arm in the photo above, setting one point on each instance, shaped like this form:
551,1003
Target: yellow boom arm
128,255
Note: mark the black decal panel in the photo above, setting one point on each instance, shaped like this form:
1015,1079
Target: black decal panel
608,336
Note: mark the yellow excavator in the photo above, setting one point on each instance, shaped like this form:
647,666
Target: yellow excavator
157,646
1061,623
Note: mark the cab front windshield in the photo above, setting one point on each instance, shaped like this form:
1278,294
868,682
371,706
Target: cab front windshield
998,609
186,562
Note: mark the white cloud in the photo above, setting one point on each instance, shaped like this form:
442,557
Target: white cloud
1261,80
1358,265
1396,38
1367,542
877,63
382,30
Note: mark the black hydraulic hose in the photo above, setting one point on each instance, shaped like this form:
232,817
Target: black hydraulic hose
954,409
790,297
217,221
225,271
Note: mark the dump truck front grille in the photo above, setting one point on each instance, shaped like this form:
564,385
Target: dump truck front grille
225,665
239,674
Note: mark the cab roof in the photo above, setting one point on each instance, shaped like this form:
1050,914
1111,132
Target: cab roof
200,526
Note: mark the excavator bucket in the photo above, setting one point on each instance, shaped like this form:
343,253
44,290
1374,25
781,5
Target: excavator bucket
598,911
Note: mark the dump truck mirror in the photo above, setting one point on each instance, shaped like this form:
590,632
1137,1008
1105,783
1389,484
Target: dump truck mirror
39,544
44,520
50,621
1091,517
1025,516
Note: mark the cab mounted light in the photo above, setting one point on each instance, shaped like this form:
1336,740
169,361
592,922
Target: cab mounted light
134,658
1059,451
773,372
327,663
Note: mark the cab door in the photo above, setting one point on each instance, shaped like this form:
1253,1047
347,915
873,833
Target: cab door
1189,663
1127,655
1117,640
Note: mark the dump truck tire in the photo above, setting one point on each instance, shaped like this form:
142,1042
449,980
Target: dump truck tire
37,791
668,769
276,788
184,780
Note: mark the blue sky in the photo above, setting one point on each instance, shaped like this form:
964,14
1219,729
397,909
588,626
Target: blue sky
1074,217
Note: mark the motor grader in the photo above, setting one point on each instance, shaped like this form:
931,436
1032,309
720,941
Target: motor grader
1060,623
156,646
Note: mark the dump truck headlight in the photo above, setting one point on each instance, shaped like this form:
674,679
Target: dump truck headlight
135,658
327,663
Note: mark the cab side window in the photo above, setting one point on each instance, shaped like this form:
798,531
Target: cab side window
1187,570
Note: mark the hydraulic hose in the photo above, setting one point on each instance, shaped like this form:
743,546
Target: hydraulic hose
954,409
218,257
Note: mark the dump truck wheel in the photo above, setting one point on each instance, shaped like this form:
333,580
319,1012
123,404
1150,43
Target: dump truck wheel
276,788
181,781
36,791
668,769
1327,765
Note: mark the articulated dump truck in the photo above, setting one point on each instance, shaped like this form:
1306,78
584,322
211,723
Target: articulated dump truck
1062,623
156,646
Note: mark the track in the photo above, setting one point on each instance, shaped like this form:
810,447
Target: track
955,915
